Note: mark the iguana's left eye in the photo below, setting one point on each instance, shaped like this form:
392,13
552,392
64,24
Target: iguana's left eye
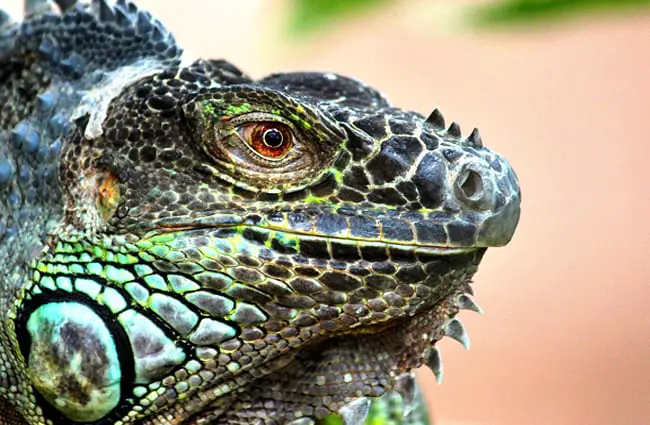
270,140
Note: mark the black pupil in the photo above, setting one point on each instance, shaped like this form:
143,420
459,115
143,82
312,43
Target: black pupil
273,138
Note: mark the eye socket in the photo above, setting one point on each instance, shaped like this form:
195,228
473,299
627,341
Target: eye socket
270,140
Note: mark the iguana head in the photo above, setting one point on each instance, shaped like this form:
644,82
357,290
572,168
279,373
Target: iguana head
239,249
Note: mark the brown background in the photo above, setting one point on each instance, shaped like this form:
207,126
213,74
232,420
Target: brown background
566,335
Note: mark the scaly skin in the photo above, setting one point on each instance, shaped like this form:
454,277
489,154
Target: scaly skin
182,244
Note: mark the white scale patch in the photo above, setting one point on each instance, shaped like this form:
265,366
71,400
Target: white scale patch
96,101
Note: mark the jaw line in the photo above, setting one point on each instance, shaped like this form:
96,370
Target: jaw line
417,248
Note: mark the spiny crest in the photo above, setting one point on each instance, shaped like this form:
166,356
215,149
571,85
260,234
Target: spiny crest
437,121
122,13
454,130
475,139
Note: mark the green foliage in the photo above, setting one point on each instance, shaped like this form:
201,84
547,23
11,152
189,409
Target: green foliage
526,11
308,15
331,419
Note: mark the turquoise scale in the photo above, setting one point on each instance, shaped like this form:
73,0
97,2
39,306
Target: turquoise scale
73,360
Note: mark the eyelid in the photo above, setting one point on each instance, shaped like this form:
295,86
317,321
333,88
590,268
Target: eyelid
254,117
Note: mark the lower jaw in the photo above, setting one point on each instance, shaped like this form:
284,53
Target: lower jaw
368,362
324,375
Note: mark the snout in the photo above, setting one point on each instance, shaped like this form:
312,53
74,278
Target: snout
469,195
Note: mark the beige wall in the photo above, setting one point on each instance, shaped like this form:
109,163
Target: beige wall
566,335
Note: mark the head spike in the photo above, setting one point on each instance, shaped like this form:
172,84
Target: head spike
144,22
475,139
355,412
66,5
466,303
106,12
455,330
433,359
157,33
121,15
454,130
406,387
436,119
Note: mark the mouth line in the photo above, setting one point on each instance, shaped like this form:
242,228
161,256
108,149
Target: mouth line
415,247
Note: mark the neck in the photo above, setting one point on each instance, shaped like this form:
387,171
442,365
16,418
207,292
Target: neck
30,210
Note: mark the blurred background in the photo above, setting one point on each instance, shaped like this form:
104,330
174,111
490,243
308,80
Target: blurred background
562,89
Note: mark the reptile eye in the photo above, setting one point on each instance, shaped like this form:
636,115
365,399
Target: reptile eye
270,140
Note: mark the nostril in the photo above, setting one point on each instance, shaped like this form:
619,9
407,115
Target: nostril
470,184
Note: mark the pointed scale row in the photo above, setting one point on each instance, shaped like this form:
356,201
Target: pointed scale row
455,330
121,12
437,121
356,412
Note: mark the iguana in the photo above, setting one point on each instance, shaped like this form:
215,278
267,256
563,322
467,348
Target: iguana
182,244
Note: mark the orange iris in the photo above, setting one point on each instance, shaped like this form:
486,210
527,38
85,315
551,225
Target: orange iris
271,140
